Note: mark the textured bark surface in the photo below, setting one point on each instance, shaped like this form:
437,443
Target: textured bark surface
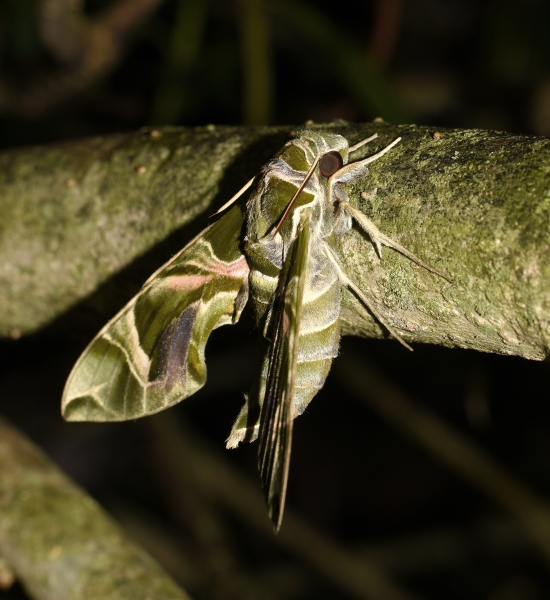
475,204
59,542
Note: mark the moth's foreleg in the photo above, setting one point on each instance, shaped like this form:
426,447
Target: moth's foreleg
375,235
345,280
379,239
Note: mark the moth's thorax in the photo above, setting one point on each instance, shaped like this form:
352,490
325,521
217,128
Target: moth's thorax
280,180
314,143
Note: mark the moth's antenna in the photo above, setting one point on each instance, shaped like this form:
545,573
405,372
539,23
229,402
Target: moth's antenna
362,143
235,197
294,198
376,156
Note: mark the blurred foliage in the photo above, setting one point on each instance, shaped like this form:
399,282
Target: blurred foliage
452,63
375,493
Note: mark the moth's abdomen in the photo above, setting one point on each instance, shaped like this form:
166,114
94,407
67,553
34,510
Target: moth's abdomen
319,331
319,339
319,326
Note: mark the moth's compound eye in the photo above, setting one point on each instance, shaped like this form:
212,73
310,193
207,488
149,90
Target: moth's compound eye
330,162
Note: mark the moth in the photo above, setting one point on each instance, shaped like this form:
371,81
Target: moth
281,250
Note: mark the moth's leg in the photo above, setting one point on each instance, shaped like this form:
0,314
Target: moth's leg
379,239
345,280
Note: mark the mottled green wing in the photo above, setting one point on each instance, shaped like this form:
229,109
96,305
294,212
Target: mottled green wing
151,355
275,435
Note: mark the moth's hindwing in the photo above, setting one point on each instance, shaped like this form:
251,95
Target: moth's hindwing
275,434
151,355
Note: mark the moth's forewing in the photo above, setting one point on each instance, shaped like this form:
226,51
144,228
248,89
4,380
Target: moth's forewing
151,355
275,434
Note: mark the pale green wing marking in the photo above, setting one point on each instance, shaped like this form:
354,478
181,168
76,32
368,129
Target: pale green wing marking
151,355
275,435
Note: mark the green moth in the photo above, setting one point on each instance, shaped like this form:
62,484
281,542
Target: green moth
288,262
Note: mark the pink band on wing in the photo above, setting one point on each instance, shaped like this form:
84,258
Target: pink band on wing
186,283
237,269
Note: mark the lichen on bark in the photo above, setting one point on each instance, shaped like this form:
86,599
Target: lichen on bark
475,204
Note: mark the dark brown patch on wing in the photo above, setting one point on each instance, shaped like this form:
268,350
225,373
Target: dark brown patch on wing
174,349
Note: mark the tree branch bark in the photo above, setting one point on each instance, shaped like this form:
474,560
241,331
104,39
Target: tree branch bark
59,542
474,204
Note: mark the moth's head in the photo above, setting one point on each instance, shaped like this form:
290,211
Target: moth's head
319,143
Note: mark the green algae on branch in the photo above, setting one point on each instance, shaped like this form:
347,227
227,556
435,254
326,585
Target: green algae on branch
475,204
74,214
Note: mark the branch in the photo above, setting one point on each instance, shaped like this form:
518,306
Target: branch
474,204
59,542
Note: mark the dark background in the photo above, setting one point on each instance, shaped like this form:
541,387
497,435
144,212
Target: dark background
363,485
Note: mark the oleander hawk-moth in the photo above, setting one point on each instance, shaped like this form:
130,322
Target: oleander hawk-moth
289,263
